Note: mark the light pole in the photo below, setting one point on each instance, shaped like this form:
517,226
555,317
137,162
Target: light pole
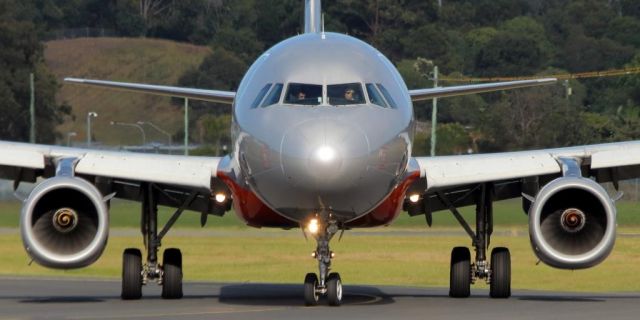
434,114
127,124
69,136
90,115
159,130
186,126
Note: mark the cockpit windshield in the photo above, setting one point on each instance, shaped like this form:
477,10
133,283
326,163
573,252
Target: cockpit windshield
343,94
305,94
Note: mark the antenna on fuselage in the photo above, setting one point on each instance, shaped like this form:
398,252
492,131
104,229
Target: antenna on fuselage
312,16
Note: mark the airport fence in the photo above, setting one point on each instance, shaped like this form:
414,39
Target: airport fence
72,33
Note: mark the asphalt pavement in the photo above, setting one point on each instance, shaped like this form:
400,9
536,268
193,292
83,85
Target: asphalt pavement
42,298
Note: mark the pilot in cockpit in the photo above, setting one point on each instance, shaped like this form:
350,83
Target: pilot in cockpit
348,95
301,95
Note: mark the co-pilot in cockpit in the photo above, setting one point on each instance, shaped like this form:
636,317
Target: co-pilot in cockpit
344,94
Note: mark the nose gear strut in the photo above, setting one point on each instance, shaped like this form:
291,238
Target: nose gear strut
329,283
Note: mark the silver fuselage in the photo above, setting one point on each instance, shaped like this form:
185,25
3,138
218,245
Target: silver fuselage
304,159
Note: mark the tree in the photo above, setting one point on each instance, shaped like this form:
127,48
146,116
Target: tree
21,55
215,131
151,9
452,139
221,70
582,53
533,118
128,22
509,54
624,30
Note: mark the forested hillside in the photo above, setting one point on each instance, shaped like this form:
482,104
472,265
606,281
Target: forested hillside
479,38
121,59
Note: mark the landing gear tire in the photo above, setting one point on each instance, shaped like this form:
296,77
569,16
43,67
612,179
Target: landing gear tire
131,274
500,286
460,274
172,275
311,295
334,289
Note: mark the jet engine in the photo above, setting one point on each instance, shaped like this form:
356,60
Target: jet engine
572,223
64,223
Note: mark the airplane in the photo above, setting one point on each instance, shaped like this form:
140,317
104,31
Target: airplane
322,130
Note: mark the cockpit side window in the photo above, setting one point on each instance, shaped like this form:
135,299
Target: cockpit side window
260,96
274,95
305,94
375,96
387,96
344,94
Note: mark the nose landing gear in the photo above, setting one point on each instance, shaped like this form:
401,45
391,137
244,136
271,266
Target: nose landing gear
329,284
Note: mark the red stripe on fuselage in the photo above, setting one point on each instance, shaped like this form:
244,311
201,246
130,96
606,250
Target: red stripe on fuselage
252,210
389,209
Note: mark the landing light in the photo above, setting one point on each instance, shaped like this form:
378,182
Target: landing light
414,198
325,154
313,226
220,197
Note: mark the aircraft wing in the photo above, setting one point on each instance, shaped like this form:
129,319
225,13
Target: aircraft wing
426,94
225,97
122,173
509,172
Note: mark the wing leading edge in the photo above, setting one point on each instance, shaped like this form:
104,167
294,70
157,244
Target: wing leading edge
600,159
188,182
218,96
426,94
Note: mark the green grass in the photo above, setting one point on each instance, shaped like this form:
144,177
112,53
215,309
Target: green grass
283,257
406,254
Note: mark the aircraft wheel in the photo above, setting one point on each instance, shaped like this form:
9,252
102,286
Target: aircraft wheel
500,286
460,274
334,289
131,274
172,274
311,295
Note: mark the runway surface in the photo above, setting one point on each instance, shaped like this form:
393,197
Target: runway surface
35,298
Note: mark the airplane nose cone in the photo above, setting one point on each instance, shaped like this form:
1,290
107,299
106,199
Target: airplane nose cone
325,158
324,155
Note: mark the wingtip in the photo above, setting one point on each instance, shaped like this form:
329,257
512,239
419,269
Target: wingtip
69,79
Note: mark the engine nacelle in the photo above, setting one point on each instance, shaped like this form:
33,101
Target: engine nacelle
572,223
64,223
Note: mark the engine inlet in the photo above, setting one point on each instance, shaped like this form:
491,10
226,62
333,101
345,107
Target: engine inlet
65,220
573,220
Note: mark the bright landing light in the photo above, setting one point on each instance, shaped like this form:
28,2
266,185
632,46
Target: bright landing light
313,226
220,197
325,154
414,198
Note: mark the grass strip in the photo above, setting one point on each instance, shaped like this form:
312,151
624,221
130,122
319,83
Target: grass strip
391,257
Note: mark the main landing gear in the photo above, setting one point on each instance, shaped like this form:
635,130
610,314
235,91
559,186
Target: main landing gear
169,273
497,271
328,283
